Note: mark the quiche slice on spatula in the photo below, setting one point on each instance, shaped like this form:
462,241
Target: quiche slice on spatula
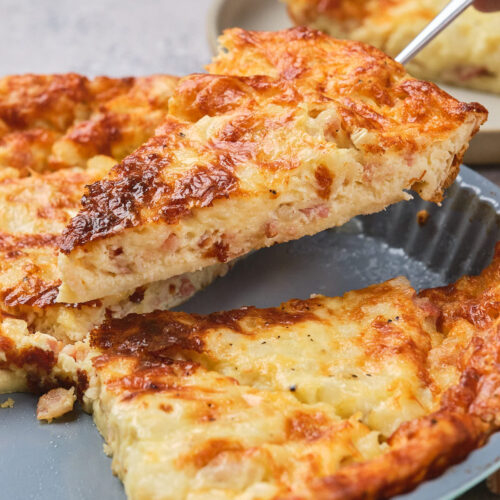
292,132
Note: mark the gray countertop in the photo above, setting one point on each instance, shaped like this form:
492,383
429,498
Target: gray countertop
112,37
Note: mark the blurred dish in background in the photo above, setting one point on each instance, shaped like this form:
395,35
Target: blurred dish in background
466,53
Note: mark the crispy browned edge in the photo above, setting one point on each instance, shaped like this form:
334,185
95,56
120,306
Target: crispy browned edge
470,411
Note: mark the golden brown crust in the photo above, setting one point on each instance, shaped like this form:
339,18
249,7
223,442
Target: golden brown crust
375,90
50,122
424,448
52,100
475,299
124,201
286,69
436,443
43,359
53,121
37,362
164,333
469,412
163,350
42,203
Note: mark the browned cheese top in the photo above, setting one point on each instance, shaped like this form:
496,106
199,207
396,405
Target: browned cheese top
59,133
257,97
54,121
312,378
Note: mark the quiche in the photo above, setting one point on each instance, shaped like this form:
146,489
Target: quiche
292,132
360,396
467,53
91,124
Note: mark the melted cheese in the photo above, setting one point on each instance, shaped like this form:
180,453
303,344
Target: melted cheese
360,396
214,438
320,398
49,152
50,122
34,211
294,132
84,118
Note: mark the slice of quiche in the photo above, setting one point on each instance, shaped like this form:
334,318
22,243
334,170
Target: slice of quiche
297,132
362,396
40,190
467,53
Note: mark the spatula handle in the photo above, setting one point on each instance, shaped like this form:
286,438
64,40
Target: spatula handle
438,24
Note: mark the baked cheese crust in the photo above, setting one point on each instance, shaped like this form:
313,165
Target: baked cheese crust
34,211
467,53
89,117
57,121
292,133
362,396
39,195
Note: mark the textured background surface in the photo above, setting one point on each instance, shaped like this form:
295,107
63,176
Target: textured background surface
114,37
117,38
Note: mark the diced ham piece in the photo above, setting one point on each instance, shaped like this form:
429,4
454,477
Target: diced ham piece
54,345
187,288
171,244
316,211
78,353
430,310
271,229
468,71
55,404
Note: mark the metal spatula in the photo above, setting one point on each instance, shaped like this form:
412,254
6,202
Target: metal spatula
438,24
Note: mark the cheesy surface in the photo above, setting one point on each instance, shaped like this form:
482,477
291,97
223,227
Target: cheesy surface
48,122
292,133
39,193
467,53
362,396
33,213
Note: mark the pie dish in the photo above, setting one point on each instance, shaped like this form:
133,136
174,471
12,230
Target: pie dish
360,396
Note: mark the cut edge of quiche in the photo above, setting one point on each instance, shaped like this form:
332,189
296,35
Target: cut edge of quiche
292,133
